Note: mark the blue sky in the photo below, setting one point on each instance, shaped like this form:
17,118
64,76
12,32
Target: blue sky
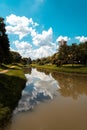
35,27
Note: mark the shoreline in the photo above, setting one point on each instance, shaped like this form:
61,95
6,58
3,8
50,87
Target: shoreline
64,70
12,83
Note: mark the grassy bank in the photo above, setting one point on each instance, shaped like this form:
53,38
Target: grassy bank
11,84
78,69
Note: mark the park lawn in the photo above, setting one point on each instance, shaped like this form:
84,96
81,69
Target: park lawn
11,85
65,68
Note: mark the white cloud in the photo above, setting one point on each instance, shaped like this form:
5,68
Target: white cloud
21,26
65,38
81,38
18,30
44,91
15,20
43,39
43,51
22,45
24,48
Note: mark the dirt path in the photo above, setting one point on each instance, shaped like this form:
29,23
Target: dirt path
12,67
5,71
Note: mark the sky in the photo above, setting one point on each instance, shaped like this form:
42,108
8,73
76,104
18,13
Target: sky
34,27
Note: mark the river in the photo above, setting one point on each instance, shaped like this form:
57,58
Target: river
51,101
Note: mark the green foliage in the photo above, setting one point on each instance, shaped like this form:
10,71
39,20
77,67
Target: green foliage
15,57
77,69
42,61
25,61
73,54
67,54
11,85
4,43
4,115
83,53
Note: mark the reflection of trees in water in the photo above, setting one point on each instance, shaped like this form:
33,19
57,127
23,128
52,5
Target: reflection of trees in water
71,85
27,70
43,70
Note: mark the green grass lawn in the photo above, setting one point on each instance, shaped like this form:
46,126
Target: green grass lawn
11,85
65,68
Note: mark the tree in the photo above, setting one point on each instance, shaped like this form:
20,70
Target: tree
29,60
83,53
73,54
63,54
15,57
24,61
4,43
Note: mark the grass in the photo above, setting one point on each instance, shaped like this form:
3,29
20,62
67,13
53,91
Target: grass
11,85
65,68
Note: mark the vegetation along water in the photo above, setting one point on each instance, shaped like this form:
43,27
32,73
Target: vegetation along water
11,84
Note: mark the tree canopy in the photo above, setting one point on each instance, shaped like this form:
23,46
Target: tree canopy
4,43
67,54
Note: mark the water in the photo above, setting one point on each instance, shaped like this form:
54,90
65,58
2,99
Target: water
51,101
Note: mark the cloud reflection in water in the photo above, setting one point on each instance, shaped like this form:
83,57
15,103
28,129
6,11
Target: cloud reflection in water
39,87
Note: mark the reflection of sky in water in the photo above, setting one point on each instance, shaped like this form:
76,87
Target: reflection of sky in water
39,87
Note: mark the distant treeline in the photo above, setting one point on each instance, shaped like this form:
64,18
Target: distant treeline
67,54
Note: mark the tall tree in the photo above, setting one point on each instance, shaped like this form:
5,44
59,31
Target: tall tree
73,53
83,53
63,54
4,43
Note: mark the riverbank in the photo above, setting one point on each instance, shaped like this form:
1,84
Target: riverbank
12,82
76,69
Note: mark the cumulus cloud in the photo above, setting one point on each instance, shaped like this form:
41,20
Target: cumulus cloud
35,91
60,38
24,48
81,38
43,39
43,51
41,44
21,26
22,45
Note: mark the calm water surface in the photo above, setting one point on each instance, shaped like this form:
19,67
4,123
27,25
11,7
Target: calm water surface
51,101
